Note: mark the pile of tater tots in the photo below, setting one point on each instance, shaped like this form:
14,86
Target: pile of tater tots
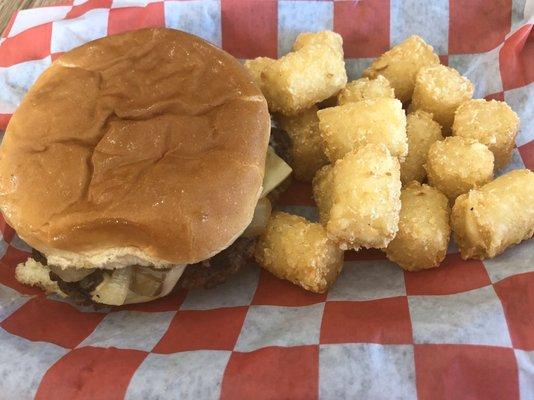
398,159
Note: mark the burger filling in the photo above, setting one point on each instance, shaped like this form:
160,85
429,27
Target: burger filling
88,285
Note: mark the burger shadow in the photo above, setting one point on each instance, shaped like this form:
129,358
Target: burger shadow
237,291
84,308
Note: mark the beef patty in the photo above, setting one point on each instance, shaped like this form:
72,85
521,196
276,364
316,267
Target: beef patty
217,269
206,274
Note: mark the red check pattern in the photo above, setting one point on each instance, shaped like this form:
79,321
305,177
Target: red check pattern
465,372
462,331
91,373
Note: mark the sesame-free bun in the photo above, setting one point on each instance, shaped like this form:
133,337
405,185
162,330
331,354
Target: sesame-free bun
149,145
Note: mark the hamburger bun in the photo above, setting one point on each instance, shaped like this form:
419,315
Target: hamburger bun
145,148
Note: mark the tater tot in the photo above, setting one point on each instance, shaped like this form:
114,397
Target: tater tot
295,249
256,66
323,38
322,192
307,148
424,231
492,122
440,90
365,198
400,65
353,125
306,76
365,88
422,132
456,165
488,220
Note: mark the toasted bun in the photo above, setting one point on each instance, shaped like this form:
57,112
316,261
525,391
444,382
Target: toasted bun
152,140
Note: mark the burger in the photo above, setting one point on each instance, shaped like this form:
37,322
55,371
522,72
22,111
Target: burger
137,163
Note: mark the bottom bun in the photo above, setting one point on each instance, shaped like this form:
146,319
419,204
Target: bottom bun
133,284
34,273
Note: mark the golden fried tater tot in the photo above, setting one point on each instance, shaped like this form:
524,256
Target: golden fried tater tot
256,67
365,88
306,76
307,147
422,132
400,65
322,38
322,192
424,231
295,249
456,165
439,90
490,219
365,198
492,123
353,125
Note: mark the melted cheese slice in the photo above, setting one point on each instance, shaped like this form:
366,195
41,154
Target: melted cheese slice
276,170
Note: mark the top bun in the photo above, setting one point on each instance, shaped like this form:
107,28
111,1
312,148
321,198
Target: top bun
152,141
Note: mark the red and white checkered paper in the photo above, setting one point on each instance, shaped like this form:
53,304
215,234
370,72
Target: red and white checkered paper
462,331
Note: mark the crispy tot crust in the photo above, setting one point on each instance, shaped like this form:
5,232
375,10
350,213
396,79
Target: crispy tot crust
322,38
322,192
456,165
400,64
422,131
440,90
424,231
256,66
312,73
353,125
365,198
295,249
307,147
365,88
488,220
492,123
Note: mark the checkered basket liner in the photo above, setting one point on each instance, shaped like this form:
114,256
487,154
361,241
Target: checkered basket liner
461,331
